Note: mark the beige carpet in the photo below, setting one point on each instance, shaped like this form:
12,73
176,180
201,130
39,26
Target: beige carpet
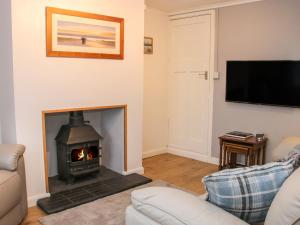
105,211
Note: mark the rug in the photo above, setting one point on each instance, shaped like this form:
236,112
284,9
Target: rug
105,211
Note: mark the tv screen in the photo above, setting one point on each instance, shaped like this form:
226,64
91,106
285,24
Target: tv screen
264,82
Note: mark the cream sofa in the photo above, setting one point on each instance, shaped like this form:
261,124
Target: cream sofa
13,196
167,206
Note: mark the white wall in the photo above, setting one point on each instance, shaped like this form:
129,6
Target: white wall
112,125
7,118
42,83
155,84
53,124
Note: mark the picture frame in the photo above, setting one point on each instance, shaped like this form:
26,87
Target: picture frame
83,35
148,45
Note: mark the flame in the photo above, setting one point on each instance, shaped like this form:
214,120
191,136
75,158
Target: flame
90,156
81,155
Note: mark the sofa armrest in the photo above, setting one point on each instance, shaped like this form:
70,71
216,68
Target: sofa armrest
9,156
169,206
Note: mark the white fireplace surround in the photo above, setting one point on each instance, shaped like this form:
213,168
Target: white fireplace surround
32,83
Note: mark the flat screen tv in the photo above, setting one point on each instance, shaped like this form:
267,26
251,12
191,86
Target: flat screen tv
264,82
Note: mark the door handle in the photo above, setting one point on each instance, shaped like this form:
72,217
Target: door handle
201,73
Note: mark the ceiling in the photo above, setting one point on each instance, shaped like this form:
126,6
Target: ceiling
177,5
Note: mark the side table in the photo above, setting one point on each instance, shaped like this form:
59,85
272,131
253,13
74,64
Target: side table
253,150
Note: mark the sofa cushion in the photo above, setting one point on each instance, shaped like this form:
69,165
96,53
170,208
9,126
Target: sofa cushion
169,206
134,217
247,192
285,146
10,190
285,208
295,154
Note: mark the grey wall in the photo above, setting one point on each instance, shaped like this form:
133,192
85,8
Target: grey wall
7,110
264,30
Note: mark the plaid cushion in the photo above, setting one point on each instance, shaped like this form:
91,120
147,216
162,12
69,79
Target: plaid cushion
247,192
295,154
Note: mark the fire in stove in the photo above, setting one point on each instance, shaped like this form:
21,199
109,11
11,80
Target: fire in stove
81,155
90,156
77,155
92,153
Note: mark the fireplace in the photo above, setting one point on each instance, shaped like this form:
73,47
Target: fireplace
78,148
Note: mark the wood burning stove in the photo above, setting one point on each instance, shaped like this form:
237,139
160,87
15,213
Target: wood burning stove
78,148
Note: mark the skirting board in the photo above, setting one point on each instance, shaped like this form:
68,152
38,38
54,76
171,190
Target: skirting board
193,155
31,201
139,170
181,152
154,152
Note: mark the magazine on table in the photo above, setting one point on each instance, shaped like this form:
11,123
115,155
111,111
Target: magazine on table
239,134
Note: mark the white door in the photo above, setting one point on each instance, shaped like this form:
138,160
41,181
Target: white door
190,45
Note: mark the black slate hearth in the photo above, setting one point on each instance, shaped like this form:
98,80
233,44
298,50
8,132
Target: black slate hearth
86,193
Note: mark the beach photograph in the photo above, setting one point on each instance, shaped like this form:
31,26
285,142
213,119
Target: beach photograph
85,35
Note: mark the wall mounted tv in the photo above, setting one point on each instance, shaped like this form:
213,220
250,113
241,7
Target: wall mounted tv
264,82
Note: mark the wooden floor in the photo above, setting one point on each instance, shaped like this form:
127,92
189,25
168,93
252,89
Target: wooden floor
180,171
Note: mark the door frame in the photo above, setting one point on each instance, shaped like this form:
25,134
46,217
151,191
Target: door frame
212,69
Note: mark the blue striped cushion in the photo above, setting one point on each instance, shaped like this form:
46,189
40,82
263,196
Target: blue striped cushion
247,192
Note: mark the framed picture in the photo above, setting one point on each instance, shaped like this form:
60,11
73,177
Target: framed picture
83,35
148,45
